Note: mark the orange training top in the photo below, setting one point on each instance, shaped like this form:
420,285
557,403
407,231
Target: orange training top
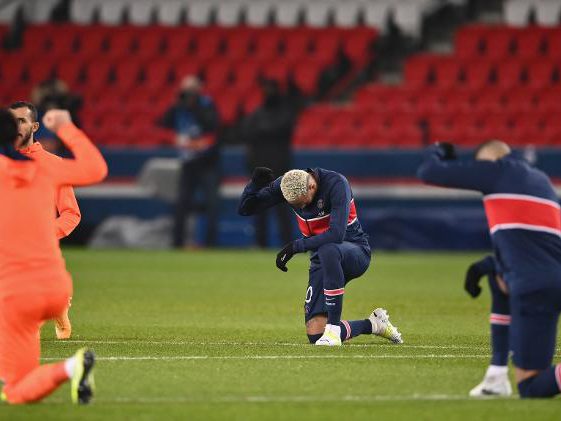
67,207
29,250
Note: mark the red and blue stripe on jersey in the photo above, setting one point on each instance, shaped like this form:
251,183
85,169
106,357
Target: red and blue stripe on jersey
520,211
320,224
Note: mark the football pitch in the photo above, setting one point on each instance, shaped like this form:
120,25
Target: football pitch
219,335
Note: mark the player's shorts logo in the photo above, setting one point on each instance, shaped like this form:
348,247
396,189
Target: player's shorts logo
309,293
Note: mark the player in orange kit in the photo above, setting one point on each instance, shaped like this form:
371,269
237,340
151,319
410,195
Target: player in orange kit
66,204
34,283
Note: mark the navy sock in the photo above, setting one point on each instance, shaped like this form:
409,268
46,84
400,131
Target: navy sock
334,305
314,338
352,328
500,323
544,385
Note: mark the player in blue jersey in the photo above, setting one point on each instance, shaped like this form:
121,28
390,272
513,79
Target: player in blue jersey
524,220
326,212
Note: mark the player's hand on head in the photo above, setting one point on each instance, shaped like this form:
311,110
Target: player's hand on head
262,176
54,119
448,150
473,277
284,256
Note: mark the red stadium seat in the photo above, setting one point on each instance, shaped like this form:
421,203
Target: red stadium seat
127,74
306,76
246,74
178,43
357,43
477,74
419,70
97,75
541,74
447,72
70,71
208,42
324,46
228,106
217,74
469,42
509,74
40,71
157,74
500,43
238,43
530,43
120,43
184,68
296,44
553,36
12,69
267,44
92,42
149,43
277,70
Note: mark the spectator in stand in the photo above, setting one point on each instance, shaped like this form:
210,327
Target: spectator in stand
268,135
54,94
194,119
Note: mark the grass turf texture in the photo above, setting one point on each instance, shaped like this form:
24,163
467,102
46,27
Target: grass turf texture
219,335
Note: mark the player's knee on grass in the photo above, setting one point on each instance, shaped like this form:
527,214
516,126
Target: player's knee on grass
315,327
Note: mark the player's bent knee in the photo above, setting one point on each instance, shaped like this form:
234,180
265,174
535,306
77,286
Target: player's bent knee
328,250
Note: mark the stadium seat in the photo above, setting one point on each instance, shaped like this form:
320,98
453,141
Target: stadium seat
287,13
208,42
82,11
419,70
218,74
12,69
318,12
500,43
246,75
548,12
509,74
169,12
259,13
530,43
447,72
554,43
346,14
69,71
228,13
141,11
306,76
127,74
469,41
185,67
92,43
149,43
478,74
517,12
112,12
267,44
199,12
238,43
120,43
376,14
157,74
541,74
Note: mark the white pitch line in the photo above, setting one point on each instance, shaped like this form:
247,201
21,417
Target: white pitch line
293,399
303,345
278,357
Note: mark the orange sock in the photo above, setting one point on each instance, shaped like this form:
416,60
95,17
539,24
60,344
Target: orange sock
39,383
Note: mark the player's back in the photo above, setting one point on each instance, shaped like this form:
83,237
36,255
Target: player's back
27,222
525,221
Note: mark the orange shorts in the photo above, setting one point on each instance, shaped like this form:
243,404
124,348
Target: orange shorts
21,316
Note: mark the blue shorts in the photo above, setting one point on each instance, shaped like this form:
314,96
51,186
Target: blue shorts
355,261
533,327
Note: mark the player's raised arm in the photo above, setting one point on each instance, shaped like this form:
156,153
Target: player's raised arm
88,165
261,193
439,167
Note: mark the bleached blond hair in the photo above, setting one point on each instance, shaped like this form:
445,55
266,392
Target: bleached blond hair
294,184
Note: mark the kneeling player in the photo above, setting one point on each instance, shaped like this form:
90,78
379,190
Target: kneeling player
524,220
326,212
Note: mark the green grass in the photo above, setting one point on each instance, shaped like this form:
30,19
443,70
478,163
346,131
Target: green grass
219,335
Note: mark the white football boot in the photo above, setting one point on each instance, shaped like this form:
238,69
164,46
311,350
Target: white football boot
381,326
495,383
331,336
